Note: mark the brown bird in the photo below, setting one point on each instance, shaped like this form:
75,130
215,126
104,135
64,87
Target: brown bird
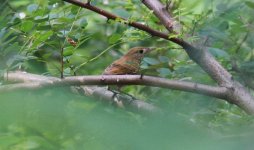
129,63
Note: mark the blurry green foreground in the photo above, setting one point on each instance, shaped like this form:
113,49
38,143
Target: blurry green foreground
52,119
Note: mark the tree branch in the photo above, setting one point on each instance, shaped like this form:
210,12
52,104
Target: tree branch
140,26
166,18
30,81
218,92
201,57
236,93
128,101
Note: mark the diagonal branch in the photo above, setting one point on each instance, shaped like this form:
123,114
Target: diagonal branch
200,55
237,93
166,18
140,26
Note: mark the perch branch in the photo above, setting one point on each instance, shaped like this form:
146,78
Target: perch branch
23,81
218,92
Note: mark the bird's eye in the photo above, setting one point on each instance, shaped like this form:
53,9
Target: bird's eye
141,51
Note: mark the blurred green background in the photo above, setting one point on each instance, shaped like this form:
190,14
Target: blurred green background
33,33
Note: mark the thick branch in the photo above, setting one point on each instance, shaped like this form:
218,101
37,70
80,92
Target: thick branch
29,81
201,56
166,18
237,93
218,92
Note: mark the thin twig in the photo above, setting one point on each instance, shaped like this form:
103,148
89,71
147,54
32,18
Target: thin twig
96,57
241,43
140,26
62,62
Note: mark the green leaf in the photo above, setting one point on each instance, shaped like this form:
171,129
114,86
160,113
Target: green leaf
121,12
44,36
218,53
10,40
58,25
65,20
221,7
51,2
163,59
248,67
68,51
151,61
14,22
39,19
67,71
14,59
114,38
12,48
43,26
39,12
223,26
53,67
32,7
164,72
26,26
74,9
53,16
83,23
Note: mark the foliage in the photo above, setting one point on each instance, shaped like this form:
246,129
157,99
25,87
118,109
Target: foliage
61,120
36,34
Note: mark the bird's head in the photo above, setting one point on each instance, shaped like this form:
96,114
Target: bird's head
138,52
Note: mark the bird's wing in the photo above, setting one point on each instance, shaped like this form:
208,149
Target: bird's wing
115,69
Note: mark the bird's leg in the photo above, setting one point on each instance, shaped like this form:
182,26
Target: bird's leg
141,76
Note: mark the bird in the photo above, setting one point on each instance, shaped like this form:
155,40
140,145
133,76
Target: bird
128,63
